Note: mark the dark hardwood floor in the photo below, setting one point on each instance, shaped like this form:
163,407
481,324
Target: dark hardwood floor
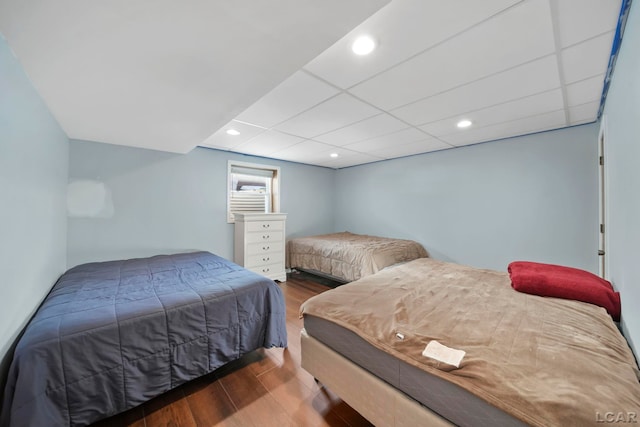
264,388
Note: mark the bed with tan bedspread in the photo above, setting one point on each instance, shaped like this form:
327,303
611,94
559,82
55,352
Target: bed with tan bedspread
545,361
347,256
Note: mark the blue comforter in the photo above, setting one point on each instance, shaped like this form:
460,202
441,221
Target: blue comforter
112,335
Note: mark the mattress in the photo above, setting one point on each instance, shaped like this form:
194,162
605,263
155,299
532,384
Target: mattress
448,400
543,361
113,335
380,403
347,256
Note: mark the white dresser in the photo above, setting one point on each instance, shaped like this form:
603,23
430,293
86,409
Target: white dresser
259,243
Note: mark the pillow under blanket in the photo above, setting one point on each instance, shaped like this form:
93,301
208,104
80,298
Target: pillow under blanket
558,281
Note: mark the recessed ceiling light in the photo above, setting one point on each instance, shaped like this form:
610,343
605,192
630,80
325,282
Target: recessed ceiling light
334,155
363,45
233,132
464,123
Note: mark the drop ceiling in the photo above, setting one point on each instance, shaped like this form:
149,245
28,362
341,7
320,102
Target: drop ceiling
171,76
511,67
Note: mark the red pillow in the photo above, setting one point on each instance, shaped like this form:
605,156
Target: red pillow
564,282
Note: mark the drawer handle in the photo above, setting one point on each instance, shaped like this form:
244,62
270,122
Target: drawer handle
265,270
265,248
266,236
266,259
266,225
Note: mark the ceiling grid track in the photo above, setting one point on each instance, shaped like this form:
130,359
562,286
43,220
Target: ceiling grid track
556,37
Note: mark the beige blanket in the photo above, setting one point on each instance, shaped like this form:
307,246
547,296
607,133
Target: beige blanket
546,361
350,256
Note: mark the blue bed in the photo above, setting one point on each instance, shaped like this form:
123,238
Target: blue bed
113,335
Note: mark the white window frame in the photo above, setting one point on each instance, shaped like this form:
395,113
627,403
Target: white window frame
275,185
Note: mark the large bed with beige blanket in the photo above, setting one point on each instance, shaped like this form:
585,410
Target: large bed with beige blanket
528,360
346,256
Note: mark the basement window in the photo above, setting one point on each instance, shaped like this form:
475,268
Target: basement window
252,188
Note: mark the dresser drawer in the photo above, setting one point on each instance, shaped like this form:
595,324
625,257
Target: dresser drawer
265,226
264,259
264,248
264,236
269,270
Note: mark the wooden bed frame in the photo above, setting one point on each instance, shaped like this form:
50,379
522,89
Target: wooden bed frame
377,401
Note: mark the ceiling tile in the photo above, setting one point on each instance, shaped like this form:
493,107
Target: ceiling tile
584,113
347,158
587,59
520,108
596,17
584,91
418,147
303,151
381,124
403,28
221,139
477,53
402,137
525,80
298,93
547,121
268,143
332,114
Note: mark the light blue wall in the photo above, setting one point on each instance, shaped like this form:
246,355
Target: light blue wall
33,178
622,153
171,202
531,198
